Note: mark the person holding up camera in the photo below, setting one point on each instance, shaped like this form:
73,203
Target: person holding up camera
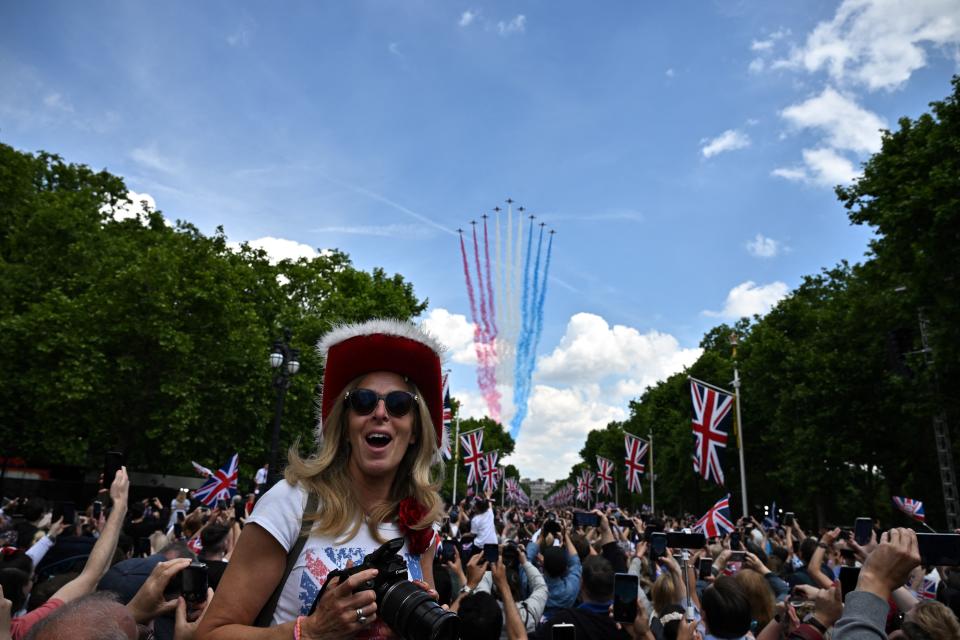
370,481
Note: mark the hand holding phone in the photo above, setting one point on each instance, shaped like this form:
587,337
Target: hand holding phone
625,588
491,553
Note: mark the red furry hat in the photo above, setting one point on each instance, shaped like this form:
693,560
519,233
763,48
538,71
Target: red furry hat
352,350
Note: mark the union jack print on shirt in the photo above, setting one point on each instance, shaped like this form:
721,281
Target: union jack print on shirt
911,507
222,484
604,475
711,426
716,522
472,442
636,452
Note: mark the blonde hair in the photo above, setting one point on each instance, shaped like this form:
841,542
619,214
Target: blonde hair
936,618
664,593
763,605
325,473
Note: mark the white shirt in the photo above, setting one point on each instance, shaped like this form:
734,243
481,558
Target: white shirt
261,477
279,512
482,525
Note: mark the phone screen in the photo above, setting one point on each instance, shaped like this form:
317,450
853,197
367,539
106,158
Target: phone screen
585,519
625,588
939,549
788,518
491,553
112,461
706,568
564,631
449,550
658,544
66,511
848,580
735,541
681,540
195,582
737,556
97,509
862,530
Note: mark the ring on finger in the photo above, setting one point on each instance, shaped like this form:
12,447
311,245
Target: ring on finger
360,617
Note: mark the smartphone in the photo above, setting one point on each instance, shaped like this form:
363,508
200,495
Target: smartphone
238,511
625,522
681,540
511,555
448,550
735,541
65,510
939,549
789,518
97,509
848,580
625,588
222,504
112,462
585,519
737,556
195,582
706,568
658,545
177,529
491,553
564,631
862,529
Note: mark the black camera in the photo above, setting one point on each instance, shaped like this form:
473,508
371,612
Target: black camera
191,583
405,607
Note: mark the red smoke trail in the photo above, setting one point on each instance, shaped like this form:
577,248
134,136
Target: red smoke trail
493,312
486,357
484,316
466,274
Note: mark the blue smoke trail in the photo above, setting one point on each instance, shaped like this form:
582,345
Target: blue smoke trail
526,346
543,294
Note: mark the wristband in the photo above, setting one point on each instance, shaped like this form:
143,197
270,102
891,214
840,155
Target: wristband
823,545
296,628
466,590
813,622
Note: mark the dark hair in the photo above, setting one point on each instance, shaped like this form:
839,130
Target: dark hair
480,505
480,617
555,561
136,510
13,581
17,560
597,579
672,628
807,547
581,544
177,550
726,609
32,511
214,539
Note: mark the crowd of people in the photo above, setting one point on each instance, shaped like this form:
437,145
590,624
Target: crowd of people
356,542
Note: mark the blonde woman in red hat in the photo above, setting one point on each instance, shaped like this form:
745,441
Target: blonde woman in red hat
370,480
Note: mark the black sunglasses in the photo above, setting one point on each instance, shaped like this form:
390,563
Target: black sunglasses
364,402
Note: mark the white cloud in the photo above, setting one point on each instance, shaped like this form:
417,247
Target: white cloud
151,158
518,24
468,16
845,124
140,204
877,43
57,102
455,332
763,247
748,299
761,45
280,248
757,65
394,48
380,231
729,140
823,167
591,351
670,73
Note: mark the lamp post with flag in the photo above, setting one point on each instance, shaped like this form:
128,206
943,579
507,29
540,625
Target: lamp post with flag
736,397
286,361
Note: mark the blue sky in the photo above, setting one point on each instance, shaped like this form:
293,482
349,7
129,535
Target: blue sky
684,152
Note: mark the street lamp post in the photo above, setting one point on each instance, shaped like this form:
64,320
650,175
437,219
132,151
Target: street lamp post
286,361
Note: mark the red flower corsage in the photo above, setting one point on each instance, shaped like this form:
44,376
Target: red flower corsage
410,513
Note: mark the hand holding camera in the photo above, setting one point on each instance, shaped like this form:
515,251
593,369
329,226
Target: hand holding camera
154,597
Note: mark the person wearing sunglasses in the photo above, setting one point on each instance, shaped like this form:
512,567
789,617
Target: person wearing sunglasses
372,478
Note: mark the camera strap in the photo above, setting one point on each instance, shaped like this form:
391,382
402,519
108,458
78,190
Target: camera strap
265,616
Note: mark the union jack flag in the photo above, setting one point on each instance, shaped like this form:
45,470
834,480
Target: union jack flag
911,507
585,485
490,472
711,426
636,452
447,419
222,484
202,470
604,475
717,521
472,454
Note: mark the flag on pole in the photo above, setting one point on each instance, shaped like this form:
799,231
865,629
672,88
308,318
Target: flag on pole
636,453
489,471
472,442
221,485
447,419
911,507
604,476
711,427
717,521
202,470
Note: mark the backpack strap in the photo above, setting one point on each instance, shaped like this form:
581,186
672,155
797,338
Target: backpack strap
265,616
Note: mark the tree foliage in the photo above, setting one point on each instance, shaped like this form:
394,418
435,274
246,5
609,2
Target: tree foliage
150,338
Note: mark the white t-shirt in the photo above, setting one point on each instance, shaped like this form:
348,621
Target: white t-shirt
279,512
482,525
261,477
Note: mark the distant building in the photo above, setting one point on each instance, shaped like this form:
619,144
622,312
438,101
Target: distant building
538,488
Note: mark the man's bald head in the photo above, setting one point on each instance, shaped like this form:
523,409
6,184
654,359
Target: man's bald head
97,616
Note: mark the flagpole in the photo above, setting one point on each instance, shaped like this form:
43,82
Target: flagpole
736,391
456,461
653,507
503,483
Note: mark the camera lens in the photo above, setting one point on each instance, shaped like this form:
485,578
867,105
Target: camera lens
414,615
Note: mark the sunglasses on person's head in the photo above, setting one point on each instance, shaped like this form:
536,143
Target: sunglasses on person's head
364,402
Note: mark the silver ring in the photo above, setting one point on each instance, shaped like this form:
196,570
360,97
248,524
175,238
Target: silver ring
360,617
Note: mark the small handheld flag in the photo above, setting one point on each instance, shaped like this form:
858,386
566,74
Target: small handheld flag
221,485
911,507
717,521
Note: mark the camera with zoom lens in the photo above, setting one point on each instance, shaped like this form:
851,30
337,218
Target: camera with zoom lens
406,608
